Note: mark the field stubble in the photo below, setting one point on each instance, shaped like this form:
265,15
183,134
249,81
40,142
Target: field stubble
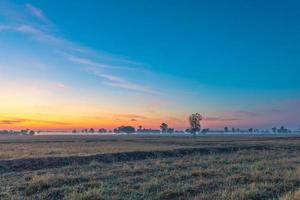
269,172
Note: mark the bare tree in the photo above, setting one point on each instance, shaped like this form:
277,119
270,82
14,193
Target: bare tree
194,120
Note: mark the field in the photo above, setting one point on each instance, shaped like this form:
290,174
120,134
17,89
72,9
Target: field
152,167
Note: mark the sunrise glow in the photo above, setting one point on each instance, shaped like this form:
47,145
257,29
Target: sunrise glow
93,67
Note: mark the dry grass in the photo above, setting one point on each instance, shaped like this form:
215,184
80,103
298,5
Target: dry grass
271,173
12,147
295,195
41,146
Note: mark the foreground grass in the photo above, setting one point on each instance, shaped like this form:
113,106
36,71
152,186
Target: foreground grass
246,174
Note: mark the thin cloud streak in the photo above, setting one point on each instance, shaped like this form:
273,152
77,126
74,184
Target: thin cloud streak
64,46
36,12
133,116
89,62
9,122
119,82
35,33
246,113
4,27
13,121
61,86
219,119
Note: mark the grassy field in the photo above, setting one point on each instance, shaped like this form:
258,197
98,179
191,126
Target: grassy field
131,167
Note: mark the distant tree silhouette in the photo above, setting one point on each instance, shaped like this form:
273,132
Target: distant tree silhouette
194,120
226,129
92,130
116,130
31,132
102,130
74,131
250,130
282,130
140,129
274,129
164,127
24,132
125,129
170,130
204,131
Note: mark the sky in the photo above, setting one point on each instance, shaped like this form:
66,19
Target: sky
79,64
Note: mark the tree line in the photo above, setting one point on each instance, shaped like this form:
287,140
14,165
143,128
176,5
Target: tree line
194,129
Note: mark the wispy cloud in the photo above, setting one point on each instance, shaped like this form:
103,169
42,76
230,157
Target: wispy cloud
40,35
62,86
220,119
246,113
96,62
10,122
13,121
36,12
88,62
35,33
4,27
131,116
119,82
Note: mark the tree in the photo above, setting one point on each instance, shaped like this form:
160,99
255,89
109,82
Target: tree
274,129
250,130
140,129
194,120
102,130
91,130
164,127
31,132
125,129
282,130
170,130
204,131
226,129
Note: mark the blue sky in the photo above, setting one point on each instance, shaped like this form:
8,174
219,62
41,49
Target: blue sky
237,62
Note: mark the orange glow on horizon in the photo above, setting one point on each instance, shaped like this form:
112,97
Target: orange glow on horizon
109,122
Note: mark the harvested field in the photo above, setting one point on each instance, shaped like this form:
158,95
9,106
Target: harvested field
12,147
178,168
